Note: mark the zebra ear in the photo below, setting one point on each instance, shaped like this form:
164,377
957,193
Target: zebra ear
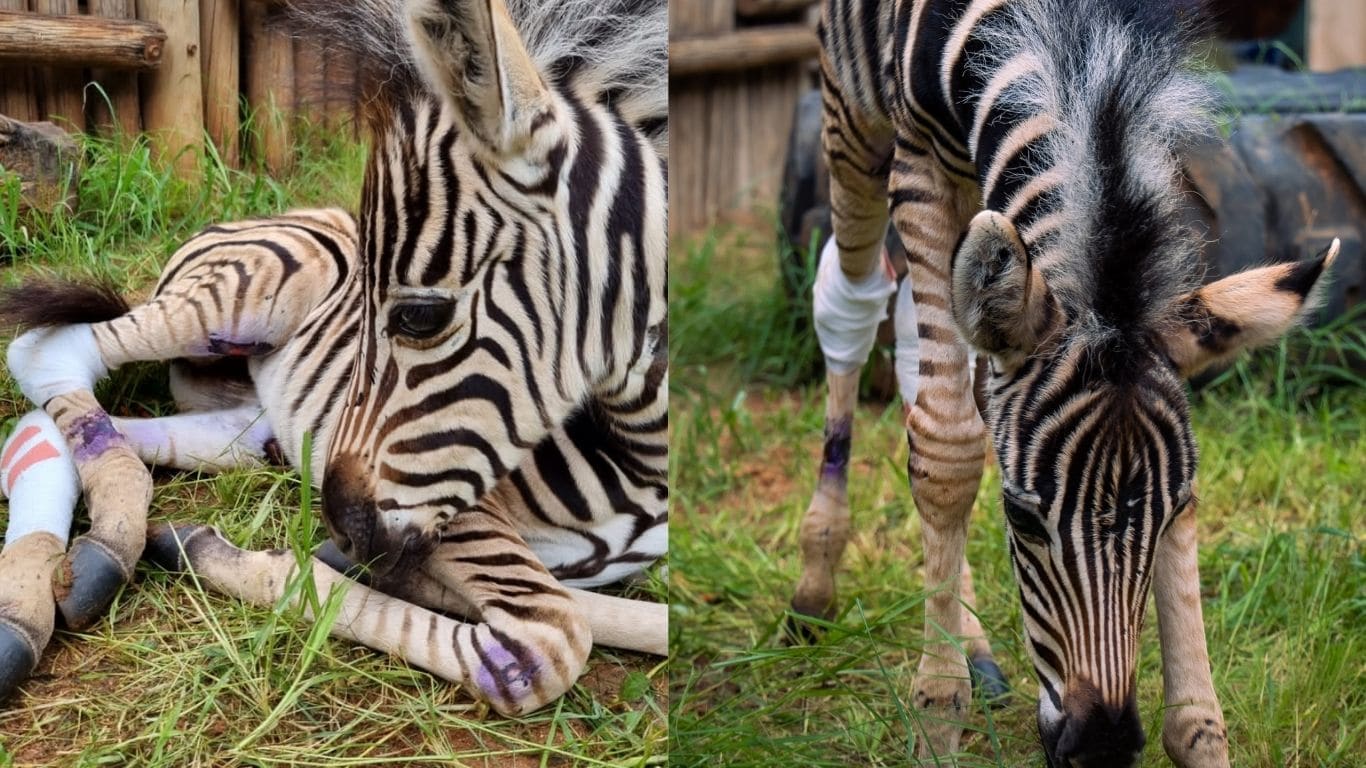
999,298
469,51
1251,308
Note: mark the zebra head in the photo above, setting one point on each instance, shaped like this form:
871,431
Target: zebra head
1097,458
512,238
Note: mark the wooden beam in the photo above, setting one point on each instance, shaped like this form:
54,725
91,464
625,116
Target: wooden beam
79,41
268,81
746,49
752,9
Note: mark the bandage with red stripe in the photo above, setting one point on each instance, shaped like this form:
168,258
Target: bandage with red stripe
39,478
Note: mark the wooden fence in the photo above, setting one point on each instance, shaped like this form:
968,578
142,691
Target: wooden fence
178,69
736,70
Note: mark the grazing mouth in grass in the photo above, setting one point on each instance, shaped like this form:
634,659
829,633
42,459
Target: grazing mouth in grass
1283,445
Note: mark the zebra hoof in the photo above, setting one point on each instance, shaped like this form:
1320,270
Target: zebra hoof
17,659
333,558
989,681
166,543
798,629
85,583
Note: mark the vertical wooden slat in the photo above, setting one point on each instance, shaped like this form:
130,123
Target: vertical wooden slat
120,88
172,95
310,82
339,104
219,34
1336,34
268,80
18,98
62,101
697,111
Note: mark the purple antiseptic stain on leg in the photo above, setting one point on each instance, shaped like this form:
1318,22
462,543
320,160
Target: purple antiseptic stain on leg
835,462
502,675
91,435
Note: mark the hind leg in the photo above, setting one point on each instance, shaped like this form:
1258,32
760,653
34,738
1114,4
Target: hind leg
849,300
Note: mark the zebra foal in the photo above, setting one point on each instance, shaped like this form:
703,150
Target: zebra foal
481,359
1023,151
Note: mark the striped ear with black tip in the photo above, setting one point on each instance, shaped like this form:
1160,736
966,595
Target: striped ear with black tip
1245,310
1000,300
469,51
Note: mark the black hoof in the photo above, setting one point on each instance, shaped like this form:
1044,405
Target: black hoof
86,582
333,558
798,630
165,544
17,661
989,681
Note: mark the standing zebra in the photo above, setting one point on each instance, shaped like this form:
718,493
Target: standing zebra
1024,151
483,364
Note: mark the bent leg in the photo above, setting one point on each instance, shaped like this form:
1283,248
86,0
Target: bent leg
1193,731
616,622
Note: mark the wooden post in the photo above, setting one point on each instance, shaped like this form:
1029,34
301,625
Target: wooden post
120,88
173,96
62,86
310,83
18,98
219,30
695,108
269,85
339,106
1336,34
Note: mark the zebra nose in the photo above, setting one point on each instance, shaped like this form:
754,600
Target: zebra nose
349,507
1100,735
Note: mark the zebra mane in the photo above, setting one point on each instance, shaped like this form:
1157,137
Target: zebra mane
1115,74
604,50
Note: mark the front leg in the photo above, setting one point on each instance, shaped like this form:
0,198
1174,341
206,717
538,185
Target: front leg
945,434
524,653
1193,731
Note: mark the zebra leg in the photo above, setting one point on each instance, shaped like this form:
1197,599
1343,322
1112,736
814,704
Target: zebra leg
1193,731
497,666
945,434
616,622
38,478
57,368
208,441
849,300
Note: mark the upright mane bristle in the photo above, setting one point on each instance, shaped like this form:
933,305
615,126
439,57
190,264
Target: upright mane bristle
604,50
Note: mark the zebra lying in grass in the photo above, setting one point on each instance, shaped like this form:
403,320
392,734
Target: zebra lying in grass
482,360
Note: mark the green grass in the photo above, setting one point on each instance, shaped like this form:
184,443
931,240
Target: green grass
1283,566
176,676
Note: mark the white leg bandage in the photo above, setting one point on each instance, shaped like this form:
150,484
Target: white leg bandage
907,362
48,362
847,313
38,476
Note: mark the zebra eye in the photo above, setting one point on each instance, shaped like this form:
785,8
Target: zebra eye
420,320
1022,512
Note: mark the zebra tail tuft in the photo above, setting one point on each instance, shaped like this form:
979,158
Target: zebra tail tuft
45,302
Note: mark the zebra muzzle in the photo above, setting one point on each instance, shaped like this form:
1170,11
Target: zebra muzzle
353,521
